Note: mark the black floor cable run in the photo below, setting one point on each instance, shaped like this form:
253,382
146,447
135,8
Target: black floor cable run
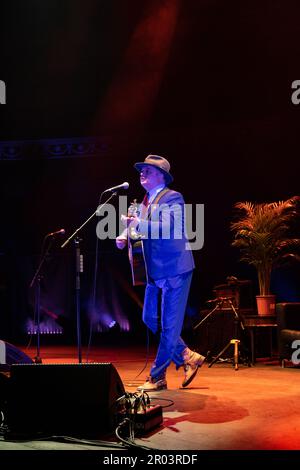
129,441
171,402
70,440
90,442
136,382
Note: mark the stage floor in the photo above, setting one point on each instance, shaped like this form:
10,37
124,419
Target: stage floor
253,408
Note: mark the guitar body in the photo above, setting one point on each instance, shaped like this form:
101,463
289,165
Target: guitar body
137,262
135,251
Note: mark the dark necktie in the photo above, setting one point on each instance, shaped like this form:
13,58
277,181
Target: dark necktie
145,206
146,199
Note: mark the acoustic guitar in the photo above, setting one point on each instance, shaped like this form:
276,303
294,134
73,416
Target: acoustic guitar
135,244
135,249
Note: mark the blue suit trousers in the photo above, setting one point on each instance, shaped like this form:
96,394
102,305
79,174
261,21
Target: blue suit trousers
173,294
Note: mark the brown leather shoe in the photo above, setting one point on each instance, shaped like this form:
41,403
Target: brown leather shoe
152,385
192,362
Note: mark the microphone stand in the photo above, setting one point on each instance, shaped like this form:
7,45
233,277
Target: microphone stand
79,269
218,303
37,307
235,342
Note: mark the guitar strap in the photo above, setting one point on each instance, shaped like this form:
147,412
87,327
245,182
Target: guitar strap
156,201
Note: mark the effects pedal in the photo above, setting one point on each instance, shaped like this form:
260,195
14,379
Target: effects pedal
148,419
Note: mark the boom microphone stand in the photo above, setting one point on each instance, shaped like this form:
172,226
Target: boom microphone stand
79,267
36,280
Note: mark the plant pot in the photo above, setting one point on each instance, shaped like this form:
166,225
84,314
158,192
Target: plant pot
266,304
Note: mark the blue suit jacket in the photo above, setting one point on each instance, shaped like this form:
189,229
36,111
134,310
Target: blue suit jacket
166,248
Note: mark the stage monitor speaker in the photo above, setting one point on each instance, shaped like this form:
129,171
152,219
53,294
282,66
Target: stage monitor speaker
62,399
10,354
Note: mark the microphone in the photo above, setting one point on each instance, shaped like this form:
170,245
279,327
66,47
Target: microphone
120,186
58,232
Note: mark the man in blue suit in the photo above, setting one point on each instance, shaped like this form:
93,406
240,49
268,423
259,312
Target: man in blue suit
169,267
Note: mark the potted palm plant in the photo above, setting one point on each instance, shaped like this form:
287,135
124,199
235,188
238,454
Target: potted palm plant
263,235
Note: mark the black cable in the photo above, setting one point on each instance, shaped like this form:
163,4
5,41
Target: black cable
148,345
68,439
132,383
86,441
147,354
128,442
171,402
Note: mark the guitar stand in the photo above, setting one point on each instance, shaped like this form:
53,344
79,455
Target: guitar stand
235,342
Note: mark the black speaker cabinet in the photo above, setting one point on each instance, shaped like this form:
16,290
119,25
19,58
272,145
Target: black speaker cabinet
10,354
62,399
